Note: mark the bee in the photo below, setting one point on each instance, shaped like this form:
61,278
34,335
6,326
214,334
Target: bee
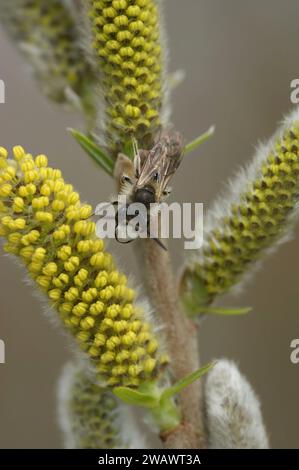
146,179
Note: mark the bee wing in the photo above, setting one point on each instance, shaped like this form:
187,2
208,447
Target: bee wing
171,161
143,154
170,168
151,164
164,159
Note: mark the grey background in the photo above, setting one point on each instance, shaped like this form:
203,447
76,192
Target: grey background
239,58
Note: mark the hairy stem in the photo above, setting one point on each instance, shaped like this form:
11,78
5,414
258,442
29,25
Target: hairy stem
182,344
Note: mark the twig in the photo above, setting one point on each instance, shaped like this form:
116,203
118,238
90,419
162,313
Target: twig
182,345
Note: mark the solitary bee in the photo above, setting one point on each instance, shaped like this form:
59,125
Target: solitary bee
146,179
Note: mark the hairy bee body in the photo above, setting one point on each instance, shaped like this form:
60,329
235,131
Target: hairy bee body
145,180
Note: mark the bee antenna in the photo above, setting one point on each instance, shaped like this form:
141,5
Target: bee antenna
160,244
137,162
117,238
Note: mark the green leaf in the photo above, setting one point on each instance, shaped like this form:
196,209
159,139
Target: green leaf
135,397
94,151
199,140
188,380
164,412
128,149
193,294
227,311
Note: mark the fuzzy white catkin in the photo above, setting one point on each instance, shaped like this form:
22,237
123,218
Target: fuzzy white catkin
234,419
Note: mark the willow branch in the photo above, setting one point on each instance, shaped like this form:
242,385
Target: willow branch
181,342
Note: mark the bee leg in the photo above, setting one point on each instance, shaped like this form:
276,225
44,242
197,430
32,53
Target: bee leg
118,240
158,241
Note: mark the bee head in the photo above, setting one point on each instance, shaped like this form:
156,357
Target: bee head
145,195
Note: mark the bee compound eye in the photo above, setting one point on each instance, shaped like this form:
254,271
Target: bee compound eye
125,179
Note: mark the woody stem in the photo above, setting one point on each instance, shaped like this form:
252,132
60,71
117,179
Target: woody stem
182,344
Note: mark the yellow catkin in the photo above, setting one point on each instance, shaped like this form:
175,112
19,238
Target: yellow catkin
88,413
254,219
126,41
47,35
70,265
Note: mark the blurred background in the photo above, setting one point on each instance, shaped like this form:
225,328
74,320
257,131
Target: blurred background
239,58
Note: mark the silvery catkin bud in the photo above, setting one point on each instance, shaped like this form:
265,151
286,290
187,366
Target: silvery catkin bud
233,414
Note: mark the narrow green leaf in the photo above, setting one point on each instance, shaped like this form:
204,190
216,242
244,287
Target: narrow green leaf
199,140
94,151
128,149
135,397
188,380
227,311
